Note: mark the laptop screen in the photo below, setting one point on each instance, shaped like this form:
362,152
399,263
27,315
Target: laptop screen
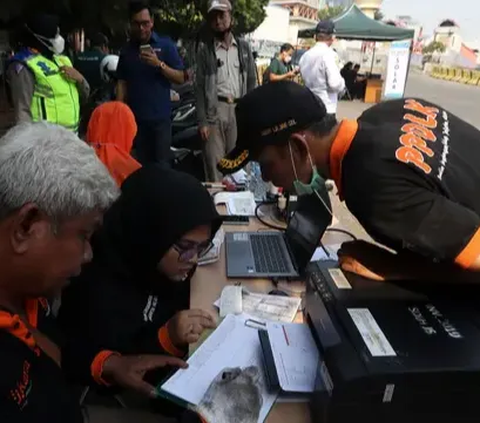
307,227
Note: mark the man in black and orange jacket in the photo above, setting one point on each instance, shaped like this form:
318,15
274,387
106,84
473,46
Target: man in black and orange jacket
407,169
53,193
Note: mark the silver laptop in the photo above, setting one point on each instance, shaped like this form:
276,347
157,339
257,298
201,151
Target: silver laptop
277,254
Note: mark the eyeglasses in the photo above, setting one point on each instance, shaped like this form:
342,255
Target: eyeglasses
188,252
141,24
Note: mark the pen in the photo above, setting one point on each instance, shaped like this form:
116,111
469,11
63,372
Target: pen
214,185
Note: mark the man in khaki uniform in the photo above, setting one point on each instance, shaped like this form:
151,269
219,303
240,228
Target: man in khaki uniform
225,73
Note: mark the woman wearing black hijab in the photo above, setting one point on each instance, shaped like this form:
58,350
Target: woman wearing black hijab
133,298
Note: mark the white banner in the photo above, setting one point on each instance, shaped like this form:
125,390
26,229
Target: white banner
397,70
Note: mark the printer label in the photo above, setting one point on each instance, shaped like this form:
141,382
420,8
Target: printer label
240,236
388,394
339,278
375,340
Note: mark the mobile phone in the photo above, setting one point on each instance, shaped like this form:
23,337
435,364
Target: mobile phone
145,48
236,220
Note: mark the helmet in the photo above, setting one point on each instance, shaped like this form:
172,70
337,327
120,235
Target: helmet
108,67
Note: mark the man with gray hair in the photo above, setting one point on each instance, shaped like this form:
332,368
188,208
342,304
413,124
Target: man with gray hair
53,191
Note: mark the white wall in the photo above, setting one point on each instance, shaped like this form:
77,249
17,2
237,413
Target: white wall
275,27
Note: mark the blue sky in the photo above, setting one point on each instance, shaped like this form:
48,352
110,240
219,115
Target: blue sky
430,12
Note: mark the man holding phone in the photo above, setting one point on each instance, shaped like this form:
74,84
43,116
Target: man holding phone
148,65
280,68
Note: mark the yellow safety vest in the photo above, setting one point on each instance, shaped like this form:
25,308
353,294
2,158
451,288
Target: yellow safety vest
56,99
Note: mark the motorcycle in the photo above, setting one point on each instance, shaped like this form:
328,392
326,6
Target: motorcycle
186,142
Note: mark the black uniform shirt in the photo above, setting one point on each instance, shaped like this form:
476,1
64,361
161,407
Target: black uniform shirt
410,173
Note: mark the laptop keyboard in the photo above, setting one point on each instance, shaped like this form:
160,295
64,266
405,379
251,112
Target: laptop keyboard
268,254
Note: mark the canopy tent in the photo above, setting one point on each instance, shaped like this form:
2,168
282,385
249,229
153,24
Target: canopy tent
355,25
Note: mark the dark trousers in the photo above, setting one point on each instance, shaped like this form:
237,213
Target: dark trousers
153,141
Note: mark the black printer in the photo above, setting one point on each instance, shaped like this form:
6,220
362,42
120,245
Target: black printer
391,354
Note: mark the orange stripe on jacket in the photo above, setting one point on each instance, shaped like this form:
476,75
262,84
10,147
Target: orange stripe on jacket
342,142
167,344
111,131
96,368
470,253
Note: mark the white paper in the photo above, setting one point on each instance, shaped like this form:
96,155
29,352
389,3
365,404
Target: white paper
239,177
242,204
295,355
214,254
238,203
231,300
321,255
273,308
375,340
232,344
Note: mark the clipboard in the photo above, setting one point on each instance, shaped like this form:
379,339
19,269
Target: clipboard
234,343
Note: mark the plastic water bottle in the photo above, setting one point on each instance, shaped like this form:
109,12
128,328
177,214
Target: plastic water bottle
255,183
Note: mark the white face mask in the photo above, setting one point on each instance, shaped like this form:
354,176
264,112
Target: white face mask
58,44
288,59
55,45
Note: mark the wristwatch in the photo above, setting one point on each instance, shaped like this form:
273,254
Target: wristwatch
163,65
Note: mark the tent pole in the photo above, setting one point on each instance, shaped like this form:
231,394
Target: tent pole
373,57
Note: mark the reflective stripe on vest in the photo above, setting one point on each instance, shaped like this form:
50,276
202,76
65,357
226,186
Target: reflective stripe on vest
55,100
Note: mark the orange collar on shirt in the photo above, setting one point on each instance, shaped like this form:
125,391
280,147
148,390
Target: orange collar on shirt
345,135
13,324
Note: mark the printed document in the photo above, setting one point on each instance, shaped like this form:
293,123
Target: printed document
265,307
295,355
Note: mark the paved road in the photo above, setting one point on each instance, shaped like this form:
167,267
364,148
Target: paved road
461,100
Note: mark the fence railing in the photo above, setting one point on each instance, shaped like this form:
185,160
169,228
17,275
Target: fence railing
462,76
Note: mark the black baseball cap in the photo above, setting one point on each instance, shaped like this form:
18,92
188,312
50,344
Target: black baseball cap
43,24
269,115
325,27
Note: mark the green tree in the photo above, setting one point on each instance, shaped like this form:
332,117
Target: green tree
379,16
248,14
434,47
330,12
179,18
431,49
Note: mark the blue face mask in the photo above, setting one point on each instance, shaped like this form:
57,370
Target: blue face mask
316,183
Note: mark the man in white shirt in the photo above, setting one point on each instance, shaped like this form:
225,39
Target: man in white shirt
320,70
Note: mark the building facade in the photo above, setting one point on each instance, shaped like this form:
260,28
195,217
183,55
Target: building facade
303,13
